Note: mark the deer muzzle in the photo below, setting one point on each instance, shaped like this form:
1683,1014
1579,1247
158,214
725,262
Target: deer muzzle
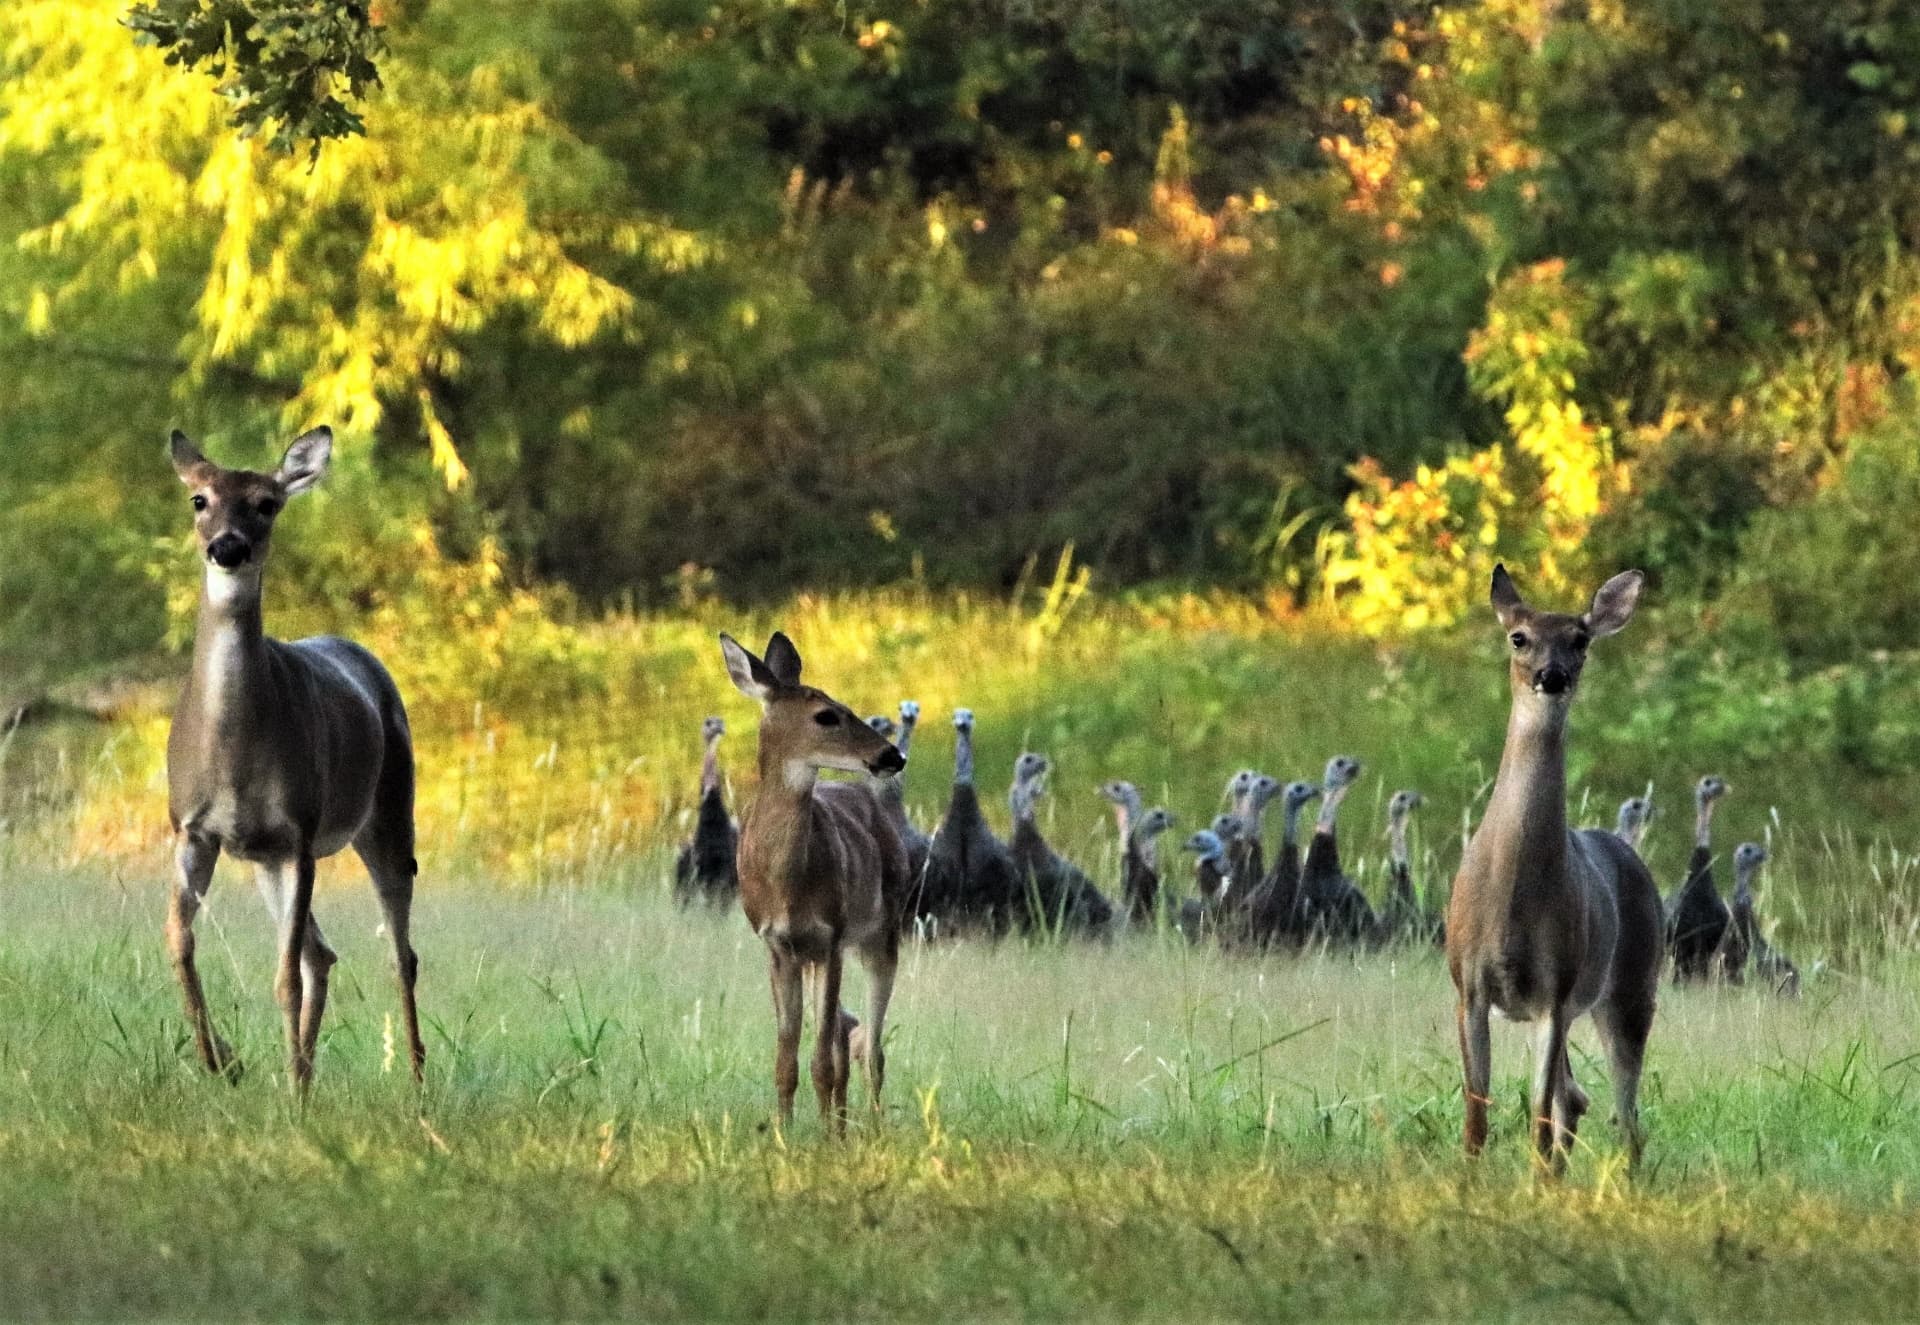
1553,680
229,552
888,761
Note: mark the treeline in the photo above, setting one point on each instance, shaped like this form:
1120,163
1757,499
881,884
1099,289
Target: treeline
1342,298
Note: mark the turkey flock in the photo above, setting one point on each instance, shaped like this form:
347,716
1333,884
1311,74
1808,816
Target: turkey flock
968,880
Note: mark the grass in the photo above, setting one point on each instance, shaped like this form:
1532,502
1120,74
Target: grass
1140,1129
566,763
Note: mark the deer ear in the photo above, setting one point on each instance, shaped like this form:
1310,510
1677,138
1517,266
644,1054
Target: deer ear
750,676
1508,605
305,462
1613,605
783,660
186,457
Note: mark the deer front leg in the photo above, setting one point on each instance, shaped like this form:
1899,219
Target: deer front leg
1476,1062
194,860
294,911
1551,1104
831,1064
784,969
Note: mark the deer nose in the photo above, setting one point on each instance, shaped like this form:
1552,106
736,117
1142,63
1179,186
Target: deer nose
887,761
1552,680
229,551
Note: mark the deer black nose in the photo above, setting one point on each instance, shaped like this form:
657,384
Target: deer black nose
229,551
1552,680
887,761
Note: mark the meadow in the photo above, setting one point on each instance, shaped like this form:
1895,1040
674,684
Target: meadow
1132,1129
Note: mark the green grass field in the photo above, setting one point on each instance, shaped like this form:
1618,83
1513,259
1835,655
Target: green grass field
1138,1129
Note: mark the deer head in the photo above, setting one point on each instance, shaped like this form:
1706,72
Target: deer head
1549,649
803,729
234,509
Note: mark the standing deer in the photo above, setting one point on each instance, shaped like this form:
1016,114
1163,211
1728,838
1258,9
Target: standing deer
822,869
1546,924
280,754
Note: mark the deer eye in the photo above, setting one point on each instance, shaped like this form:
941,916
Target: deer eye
1519,638
199,502
1580,642
268,507
827,718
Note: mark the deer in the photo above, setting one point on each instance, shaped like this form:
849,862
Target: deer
281,754
822,869
1546,924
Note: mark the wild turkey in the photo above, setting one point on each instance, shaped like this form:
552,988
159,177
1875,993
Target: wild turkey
1278,907
1058,894
1745,949
1247,851
704,871
1135,876
1636,812
1335,908
892,791
1212,881
1697,918
969,879
1404,917
1142,870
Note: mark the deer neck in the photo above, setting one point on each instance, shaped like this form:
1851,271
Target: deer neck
230,677
781,820
1526,820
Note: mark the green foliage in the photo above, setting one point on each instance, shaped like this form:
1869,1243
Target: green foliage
281,63
1836,579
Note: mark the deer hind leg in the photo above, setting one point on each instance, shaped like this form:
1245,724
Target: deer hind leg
831,1052
194,859
1624,1025
784,973
1476,1062
869,1041
391,867
1551,1102
316,961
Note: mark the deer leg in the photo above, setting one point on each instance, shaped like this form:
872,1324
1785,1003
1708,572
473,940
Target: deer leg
830,1050
294,909
194,860
784,969
1623,1032
1577,1101
1476,1061
316,960
1550,1092
871,1037
393,876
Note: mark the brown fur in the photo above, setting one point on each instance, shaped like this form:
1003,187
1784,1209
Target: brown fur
1546,924
822,869
280,754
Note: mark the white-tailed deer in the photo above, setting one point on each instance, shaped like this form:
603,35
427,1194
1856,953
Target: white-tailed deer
1546,924
280,754
822,869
